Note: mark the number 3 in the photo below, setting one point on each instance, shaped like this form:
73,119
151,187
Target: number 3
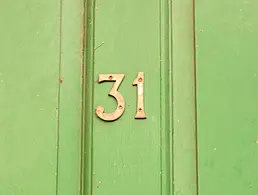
118,78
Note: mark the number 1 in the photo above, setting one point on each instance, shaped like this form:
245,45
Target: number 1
139,82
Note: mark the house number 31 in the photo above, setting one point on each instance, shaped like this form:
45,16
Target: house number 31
117,79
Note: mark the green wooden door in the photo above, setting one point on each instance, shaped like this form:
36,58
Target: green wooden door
52,141
227,106
197,78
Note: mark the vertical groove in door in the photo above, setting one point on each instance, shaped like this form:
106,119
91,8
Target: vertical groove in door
166,149
70,97
195,99
184,121
87,120
59,92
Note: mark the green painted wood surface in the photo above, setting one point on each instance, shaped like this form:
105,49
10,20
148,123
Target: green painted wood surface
126,154
29,71
70,99
156,155
40,117
227,94
184,119
52,142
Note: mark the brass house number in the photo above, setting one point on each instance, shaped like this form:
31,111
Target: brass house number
118,79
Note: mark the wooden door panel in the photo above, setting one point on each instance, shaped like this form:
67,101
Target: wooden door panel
156,155
126,152
29,74
227,120
41,97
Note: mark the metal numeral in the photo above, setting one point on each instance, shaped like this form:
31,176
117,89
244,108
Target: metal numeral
139,82
118,78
